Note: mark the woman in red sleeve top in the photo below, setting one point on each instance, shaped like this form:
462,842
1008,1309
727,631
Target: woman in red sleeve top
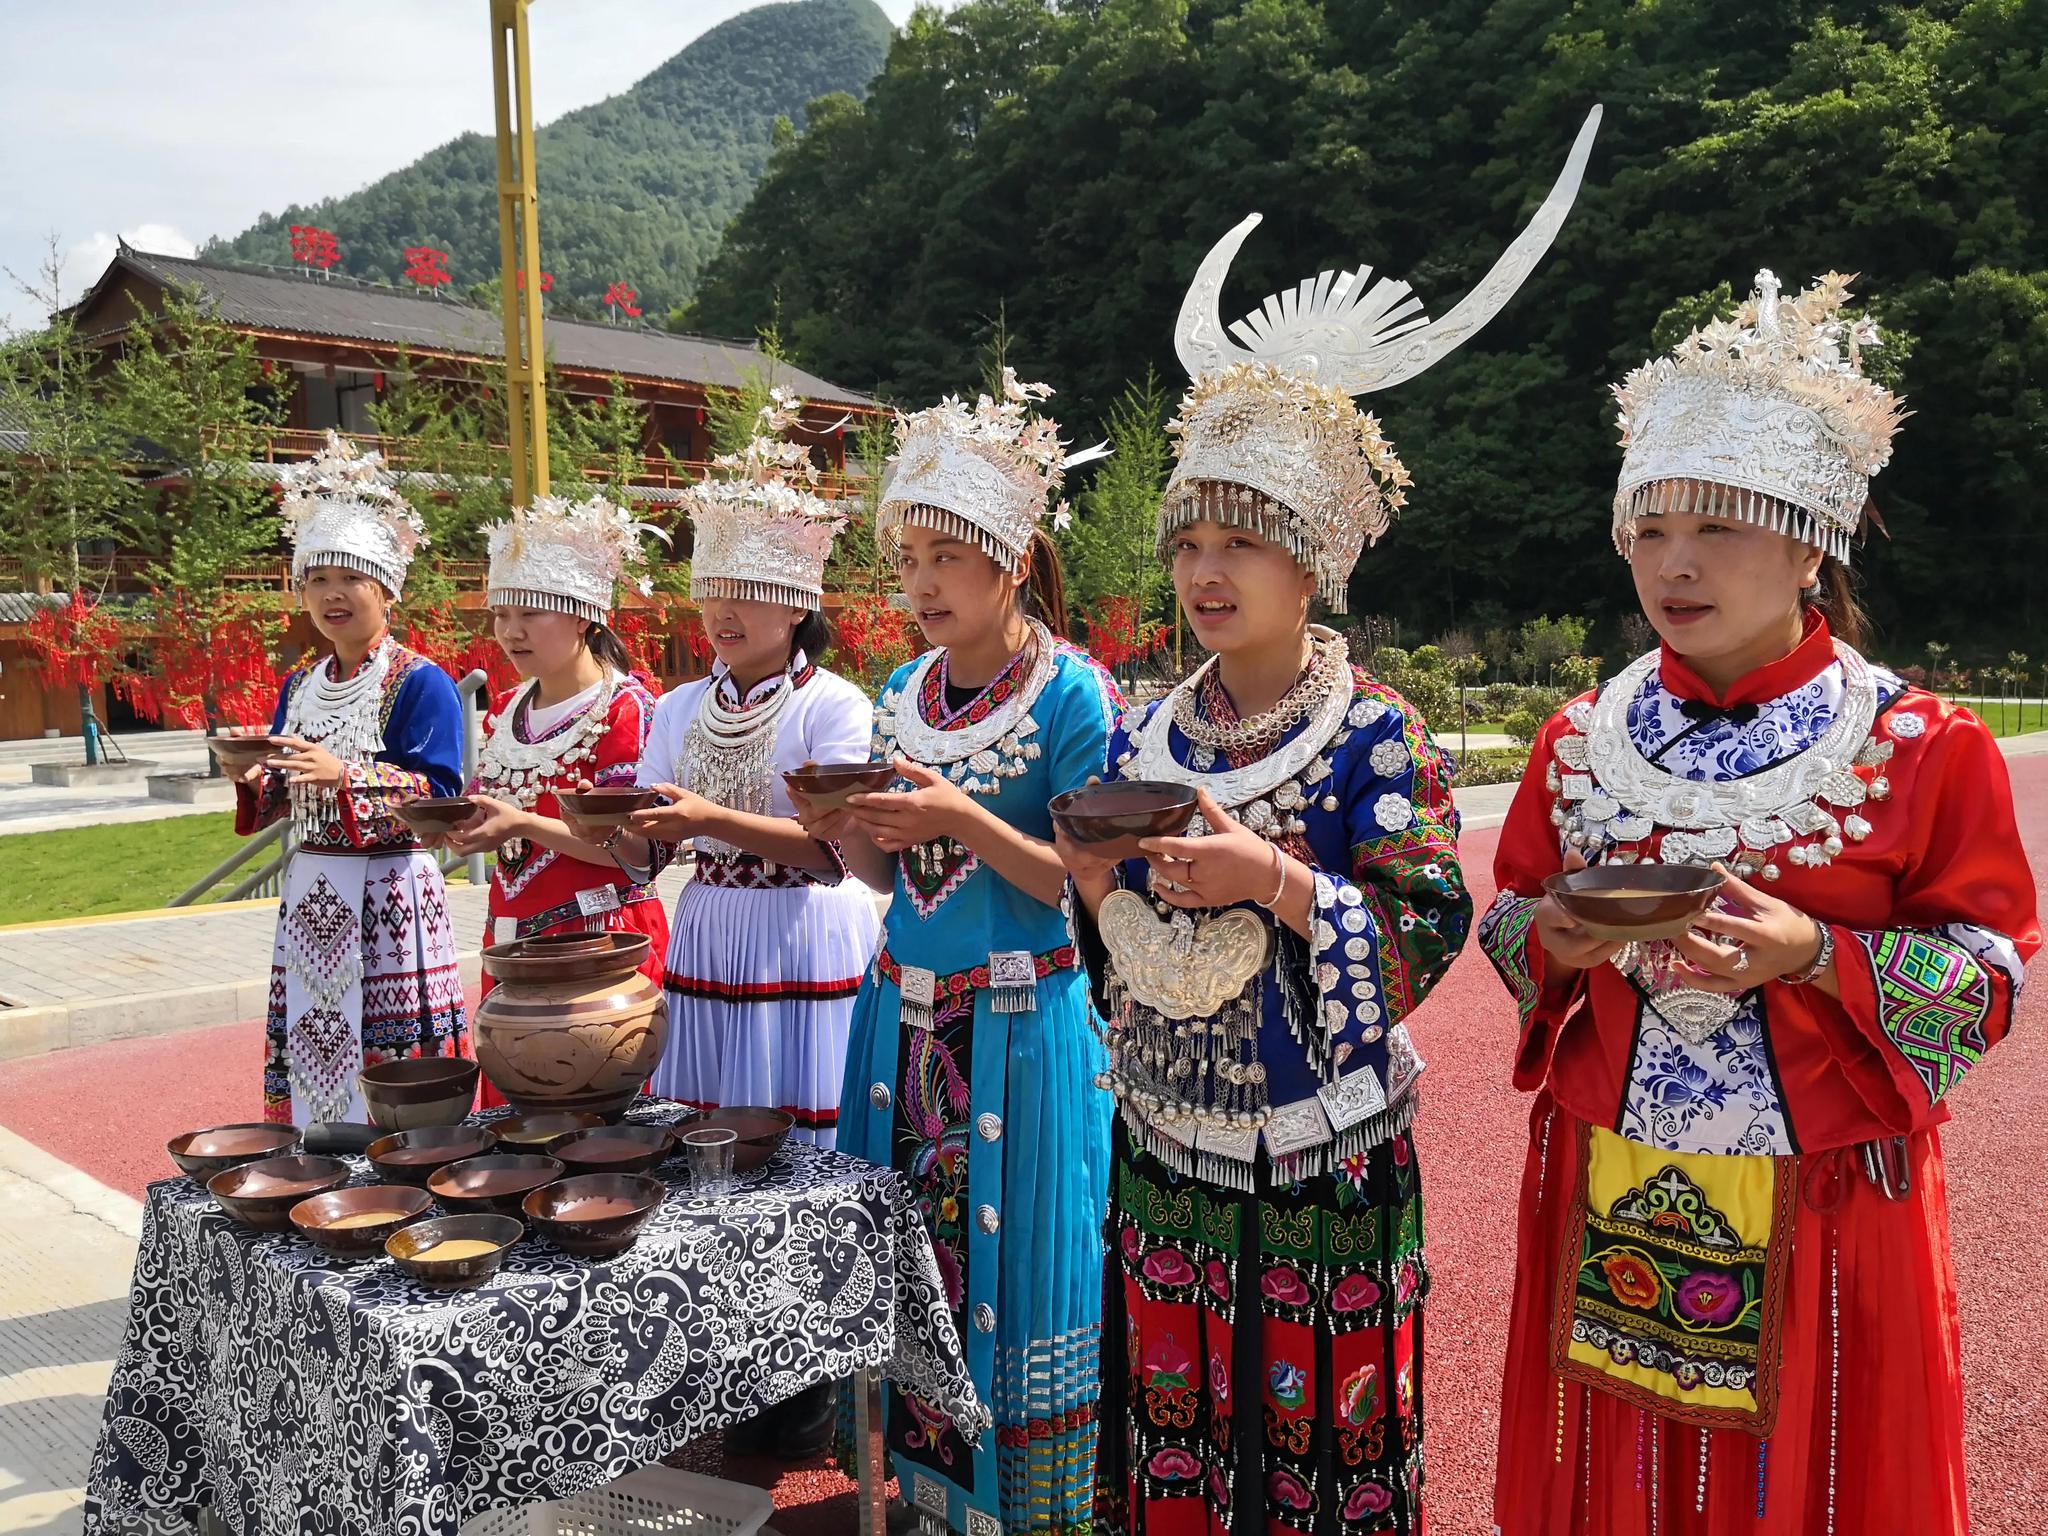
1734,1306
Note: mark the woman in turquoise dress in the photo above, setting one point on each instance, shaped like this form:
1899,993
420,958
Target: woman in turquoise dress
974,1050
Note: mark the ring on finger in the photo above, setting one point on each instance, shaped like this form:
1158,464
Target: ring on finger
1741,960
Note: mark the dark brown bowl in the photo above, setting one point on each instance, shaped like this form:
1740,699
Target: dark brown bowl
496,1182
314,1218
262,1194
607,807
595,1213
202,1154
418,1091
761,1133
411,1157
828,785
1635,903
238,754
617,1149
1108,819
432,814
411,1248
544,1131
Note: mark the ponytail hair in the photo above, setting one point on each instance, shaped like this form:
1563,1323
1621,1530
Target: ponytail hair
1834,594
812,635
1045,586
609,649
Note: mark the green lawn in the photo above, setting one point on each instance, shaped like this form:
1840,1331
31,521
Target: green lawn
2011,719
87,871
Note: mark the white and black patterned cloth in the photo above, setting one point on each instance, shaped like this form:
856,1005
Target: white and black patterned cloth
296,1394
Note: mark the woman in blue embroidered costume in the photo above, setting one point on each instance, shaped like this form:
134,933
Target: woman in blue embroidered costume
974,1052
364,968
1266,1281
1734,1305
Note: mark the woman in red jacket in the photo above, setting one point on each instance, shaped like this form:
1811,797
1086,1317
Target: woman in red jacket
1734,1305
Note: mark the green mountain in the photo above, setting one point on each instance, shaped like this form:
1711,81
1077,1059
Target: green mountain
637,188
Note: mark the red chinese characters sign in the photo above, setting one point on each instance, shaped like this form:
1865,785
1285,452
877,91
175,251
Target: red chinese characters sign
547,281
619,296
426,267
314,247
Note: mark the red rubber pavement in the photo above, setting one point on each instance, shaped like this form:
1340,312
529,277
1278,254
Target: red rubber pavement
109,1109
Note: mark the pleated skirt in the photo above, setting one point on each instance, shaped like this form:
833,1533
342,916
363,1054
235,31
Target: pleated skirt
761,987
1868,1437
996,1120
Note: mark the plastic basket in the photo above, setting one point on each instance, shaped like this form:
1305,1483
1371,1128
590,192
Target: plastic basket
654,1499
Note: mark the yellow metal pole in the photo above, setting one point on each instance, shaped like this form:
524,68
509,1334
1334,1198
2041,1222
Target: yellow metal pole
519,253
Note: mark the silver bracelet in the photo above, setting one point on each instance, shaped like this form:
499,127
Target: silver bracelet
1821,960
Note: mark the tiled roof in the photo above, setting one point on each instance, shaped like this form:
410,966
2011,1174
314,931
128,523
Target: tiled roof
20,607
275,300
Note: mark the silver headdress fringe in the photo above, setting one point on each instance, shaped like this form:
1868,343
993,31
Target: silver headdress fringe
1770,410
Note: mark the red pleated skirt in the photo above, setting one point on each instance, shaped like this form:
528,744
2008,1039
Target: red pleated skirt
1868,1439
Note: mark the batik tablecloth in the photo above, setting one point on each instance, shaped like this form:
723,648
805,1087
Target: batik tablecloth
298,1394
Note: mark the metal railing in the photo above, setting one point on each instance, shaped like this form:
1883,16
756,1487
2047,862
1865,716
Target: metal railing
268,878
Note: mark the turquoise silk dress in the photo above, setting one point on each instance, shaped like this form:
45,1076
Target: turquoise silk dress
972,1068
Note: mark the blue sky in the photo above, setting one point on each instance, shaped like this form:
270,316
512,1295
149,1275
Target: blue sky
171,122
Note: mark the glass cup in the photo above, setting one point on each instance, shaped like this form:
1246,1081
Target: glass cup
708,1158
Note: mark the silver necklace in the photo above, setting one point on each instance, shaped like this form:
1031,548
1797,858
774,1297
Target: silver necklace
976,757
1326,662
1269,795
522,769
343,715
728,751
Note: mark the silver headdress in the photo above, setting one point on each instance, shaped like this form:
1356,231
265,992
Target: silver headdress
565,556
983,473
1269,437
763,531
342,507
1767,418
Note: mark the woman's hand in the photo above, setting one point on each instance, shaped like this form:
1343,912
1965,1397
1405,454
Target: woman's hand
1094,875
308,763
583,831
930,809
828,824
684,817
493,824
1771,938
1569,946
1232,864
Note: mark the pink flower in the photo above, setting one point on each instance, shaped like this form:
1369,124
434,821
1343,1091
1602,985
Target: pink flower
1173,1463
1401,1151
1219,1279
1167,1364
1354,1293
1219,1378
1708,1297
1368,1498
1285,1286
1285,1488
1168,1266
1406,1282
1131,1243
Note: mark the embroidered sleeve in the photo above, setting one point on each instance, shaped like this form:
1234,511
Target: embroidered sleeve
269,802
1075,727
1528,853
1382,938
625,738
1936,990
422,756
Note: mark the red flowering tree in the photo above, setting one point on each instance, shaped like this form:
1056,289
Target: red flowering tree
211,659
1118,637
426,266
314,247
81,643
873,639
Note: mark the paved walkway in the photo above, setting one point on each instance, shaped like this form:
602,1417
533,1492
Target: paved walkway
26,806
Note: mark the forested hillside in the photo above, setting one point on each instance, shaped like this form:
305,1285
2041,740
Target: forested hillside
1066,165
636,189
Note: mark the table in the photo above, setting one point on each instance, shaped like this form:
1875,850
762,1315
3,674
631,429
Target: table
299,1394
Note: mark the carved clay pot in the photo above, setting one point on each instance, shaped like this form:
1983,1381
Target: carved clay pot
571,1023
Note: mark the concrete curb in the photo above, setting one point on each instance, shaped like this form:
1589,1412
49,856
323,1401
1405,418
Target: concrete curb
81,1191
35,1031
